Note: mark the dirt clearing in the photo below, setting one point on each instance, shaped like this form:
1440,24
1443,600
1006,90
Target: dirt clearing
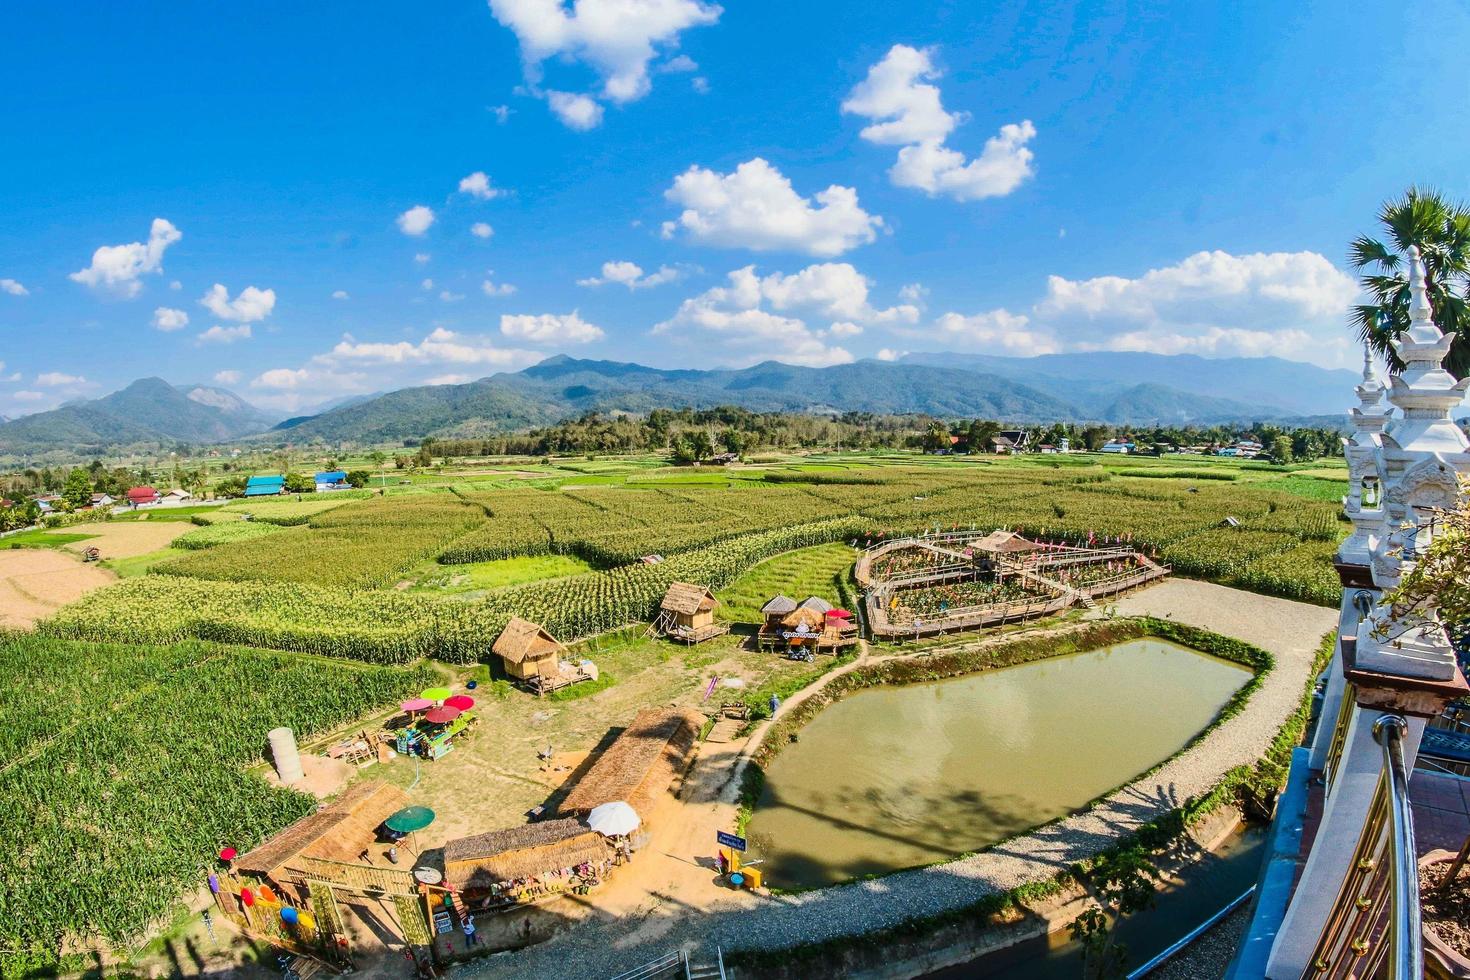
126,539
35,582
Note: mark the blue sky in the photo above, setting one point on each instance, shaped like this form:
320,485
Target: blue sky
809,182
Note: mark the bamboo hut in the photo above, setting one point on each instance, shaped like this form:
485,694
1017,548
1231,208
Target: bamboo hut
775,609
526,864
340,831
812,626
688,613
1003,542
816,602
640,764
534,657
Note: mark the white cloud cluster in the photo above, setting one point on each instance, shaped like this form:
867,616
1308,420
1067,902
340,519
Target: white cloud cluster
550,328
492,288
907,111
478,186
755,207
762,317
13,287
168,319
441,346
224,335
57,379
630,274
1211,303
416,220
118,267
339,294
481,229
249,306
227,377
618,39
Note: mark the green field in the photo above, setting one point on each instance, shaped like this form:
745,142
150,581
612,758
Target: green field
485,575
123,772
820,571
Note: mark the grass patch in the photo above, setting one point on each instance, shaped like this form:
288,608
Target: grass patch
584,689
39,538
485,575
137,564
820,571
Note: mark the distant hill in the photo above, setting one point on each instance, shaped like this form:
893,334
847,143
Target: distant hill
1264,386
147,412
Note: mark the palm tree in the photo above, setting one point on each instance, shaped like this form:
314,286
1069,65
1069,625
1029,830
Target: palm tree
1441,229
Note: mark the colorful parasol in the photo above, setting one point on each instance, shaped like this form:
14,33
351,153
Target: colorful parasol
838,614
461,701
442,716
227,854
409,820
417,704
436,693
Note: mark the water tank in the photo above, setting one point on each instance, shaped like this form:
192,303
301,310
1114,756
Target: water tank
285,756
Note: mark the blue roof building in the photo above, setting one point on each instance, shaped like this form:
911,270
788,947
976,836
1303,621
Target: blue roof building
331,479
264,486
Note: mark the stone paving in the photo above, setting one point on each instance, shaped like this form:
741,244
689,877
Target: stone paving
1441,811
602,946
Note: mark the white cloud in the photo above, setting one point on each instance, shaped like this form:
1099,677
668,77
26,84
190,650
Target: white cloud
13,288
449,379
175,285
224,335
55,379
501,112
118,267
477,185
765,316
913,293
439,347
340,294
617,39
631,275
700,84
249,306
576,111
27,396
427,284
907,111
492,288
1000,331
166,319
550,328
677,64
756,208
422,257
450,297
227,377
481,229
282,378
416,220
889,354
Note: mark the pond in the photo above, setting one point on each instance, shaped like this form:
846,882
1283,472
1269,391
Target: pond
895,777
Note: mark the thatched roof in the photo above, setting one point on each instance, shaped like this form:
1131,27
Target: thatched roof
338,831
519,852
524,640
816,602
686,599
813,618
779,605
640,763
1002,541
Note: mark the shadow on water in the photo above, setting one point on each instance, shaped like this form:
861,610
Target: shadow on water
1206,887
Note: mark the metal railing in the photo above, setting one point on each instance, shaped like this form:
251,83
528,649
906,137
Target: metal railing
1374,921
664,965
1339,733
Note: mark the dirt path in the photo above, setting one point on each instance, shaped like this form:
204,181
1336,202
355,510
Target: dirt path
35,582
674,912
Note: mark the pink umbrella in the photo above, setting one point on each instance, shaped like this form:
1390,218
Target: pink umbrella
838,614
461,701
417,704
442,716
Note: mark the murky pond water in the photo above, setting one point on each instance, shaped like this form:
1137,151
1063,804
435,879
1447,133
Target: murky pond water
894,777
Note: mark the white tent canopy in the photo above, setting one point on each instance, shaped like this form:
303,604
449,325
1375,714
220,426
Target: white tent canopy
613,819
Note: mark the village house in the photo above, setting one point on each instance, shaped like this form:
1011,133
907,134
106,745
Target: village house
265,486
331,480
144,496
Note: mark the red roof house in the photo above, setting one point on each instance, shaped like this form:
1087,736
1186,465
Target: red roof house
142,495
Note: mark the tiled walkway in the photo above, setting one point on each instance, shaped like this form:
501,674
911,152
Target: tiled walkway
1441,811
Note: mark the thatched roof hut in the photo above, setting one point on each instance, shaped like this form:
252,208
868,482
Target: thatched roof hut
475,863
998,542
337,832
812,619
684,599
778,605
639,765
527,649
816,602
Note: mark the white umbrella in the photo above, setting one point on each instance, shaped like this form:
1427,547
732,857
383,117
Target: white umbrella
613,819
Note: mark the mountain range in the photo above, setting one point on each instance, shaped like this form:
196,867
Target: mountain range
1122,388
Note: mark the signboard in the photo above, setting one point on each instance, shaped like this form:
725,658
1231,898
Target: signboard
730,840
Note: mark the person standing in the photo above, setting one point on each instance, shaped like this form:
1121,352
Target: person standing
471,939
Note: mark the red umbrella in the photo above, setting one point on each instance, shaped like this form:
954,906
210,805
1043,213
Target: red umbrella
416,704
838,614
246,898
442,716
227,854
461,701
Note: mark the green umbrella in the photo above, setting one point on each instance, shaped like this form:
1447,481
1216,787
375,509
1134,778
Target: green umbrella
410,819
436,694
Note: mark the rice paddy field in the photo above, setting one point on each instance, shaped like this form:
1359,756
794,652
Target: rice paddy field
333,607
